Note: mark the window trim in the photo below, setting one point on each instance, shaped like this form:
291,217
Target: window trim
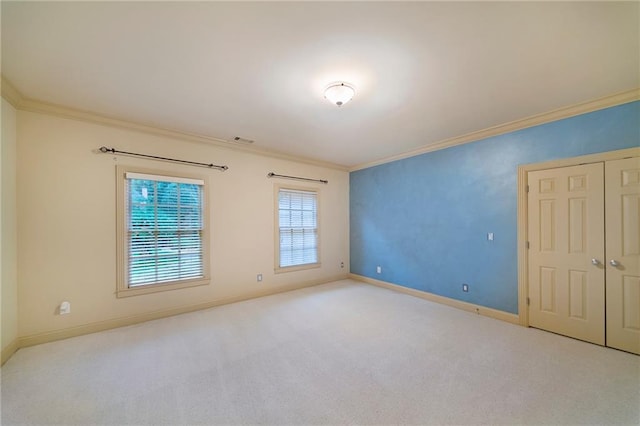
122,288
282,269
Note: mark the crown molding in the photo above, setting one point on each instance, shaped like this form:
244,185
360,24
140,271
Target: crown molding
76,114
535,120
13,96
10,93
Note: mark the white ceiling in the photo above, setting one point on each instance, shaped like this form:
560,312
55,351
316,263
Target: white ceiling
423,71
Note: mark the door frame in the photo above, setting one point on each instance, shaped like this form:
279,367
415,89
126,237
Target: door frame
523,206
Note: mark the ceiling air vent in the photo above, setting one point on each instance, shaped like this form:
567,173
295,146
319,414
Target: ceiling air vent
238,139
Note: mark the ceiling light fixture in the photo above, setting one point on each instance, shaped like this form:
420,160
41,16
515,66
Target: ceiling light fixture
339,93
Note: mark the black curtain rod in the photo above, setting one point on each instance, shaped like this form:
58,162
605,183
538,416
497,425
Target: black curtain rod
104,149
297,178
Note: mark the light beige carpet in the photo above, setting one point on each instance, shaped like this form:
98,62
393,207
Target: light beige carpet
340,353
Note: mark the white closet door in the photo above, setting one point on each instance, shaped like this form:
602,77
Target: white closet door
566,254
623,253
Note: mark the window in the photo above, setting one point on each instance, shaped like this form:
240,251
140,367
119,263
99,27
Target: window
297,229
162,232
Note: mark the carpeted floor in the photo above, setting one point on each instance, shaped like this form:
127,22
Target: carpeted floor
339,353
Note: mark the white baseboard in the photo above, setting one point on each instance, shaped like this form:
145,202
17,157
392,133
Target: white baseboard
8,351
36,339
51,336
465,306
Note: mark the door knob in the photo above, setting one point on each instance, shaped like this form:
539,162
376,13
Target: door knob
595,262
613,262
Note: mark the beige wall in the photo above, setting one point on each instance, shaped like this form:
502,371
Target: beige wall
8,248
67,237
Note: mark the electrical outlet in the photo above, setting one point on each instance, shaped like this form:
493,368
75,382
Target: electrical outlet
490,236
341,264
65,308
465,287
259,277
379,269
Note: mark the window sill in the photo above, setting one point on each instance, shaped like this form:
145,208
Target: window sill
156,288
280,270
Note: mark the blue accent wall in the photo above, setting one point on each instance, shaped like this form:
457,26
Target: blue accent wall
425,219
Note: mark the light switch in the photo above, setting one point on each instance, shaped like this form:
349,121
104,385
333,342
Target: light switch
490,236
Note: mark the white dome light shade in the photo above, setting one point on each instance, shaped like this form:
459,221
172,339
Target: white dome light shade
339,93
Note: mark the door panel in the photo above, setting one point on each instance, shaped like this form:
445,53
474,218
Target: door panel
578,294
623,246
566,231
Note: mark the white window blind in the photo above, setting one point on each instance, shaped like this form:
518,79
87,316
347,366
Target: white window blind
298,227
164,229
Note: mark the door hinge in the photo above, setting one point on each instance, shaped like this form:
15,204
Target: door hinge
527,188
526,244
528,301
